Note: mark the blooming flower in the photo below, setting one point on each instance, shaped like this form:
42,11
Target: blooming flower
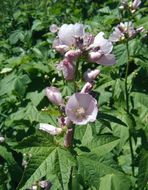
81,108
91,75
67,68
100,51
122,31
67,36
54,95
50,129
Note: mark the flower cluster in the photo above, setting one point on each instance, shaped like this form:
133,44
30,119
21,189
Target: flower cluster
131,6
81,108
73,42
124,31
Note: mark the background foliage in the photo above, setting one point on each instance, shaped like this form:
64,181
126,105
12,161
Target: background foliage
27,66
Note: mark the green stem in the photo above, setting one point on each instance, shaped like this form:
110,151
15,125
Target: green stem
127,106
126,76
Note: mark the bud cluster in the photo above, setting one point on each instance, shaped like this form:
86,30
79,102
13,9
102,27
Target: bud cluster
124,31
131,6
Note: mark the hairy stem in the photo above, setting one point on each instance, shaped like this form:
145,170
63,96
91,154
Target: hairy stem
127,106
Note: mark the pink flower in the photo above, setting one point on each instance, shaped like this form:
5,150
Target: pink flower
81,108
50,129
59,46
67,68
67,37
87,87
100,51
91,75
122,31
54,95
53,28
101,44
68,33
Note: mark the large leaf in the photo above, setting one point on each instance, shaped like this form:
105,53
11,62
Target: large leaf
52,161
114,182
47,159
102,144
91,170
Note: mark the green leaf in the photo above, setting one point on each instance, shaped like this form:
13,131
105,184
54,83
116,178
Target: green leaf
111,118
16,36
102,144
121,54
33,143
35,97
143,170
13,167
91,170
114,182
54,162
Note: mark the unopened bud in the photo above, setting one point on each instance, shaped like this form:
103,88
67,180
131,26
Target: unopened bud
53,28
54,95
91,75
87,87
94,56
2,139
71,55
50,129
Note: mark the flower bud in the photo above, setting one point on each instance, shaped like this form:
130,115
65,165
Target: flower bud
67,68
50,129
91,75
45,184
2,139
71,55
136,4
94,56
54,95
140,29
87,87
53,28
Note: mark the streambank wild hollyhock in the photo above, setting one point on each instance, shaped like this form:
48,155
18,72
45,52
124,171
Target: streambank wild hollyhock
73,43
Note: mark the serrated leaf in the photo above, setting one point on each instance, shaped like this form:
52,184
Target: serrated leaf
101,144
91,170
33,143
114,182
55,162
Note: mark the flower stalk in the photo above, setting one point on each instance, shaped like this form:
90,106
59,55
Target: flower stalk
127,105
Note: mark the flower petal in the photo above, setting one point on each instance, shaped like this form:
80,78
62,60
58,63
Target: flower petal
108,60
